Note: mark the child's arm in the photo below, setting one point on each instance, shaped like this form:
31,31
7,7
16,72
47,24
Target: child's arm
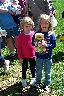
51,44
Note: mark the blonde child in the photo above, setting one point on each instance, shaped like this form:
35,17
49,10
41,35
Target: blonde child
25,49
45,57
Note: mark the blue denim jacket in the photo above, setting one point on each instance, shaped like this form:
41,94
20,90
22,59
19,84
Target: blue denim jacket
50,37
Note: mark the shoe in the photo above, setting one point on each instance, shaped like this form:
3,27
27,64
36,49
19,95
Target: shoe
24,84
6,65
32,82
46,88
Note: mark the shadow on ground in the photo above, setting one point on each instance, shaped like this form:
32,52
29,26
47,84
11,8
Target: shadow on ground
13,90
17,90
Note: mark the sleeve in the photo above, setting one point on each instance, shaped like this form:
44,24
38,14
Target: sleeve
52,43
19,47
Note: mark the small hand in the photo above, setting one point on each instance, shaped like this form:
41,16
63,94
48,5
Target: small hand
44,43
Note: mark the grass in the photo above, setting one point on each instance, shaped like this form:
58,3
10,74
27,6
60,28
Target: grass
10,84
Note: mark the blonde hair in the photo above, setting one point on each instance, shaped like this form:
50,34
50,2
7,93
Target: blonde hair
27,20
45,17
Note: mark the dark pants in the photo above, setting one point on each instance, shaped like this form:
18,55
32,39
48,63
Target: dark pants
25,66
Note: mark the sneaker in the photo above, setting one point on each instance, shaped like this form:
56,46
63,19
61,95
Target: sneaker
6,65
33,80
46,88
24,84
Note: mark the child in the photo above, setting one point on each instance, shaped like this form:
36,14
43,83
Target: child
45,56
25,50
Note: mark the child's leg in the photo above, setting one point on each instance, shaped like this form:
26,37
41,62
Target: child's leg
47,68
39,70
32,66
24,68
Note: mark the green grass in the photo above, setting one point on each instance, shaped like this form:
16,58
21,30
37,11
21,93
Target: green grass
11,81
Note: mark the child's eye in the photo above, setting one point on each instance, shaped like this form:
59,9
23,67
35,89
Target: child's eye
46,22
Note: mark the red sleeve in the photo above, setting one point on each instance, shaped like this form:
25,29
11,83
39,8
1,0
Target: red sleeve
19,47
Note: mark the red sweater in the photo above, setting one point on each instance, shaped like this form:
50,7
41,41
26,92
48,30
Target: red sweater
24,45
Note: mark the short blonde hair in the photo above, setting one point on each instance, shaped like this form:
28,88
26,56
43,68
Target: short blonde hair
27,20
45,17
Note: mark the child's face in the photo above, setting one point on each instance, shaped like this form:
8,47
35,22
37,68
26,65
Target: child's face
27,28
44,25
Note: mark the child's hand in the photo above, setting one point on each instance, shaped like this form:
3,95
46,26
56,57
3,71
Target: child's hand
20,61
44,43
